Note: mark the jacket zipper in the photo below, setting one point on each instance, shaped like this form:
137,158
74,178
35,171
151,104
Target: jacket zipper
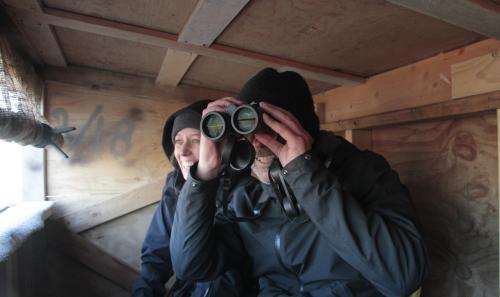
207,292
277,248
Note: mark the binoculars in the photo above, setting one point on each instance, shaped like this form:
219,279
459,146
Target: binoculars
232,124
236,120
238,153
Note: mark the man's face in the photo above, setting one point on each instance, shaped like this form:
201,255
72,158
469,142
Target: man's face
263,159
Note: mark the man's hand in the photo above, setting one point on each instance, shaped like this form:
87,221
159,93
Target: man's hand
209,164
297,139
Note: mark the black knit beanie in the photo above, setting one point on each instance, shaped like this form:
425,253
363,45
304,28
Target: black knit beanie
186,119
168,133
287,90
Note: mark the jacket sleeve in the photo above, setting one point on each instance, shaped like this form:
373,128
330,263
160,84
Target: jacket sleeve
156,267
202,250
372,227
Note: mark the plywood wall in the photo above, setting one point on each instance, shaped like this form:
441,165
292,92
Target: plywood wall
451,169
116,147
123,236
108,187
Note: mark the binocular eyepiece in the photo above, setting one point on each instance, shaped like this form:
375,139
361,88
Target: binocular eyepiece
232,124
240,120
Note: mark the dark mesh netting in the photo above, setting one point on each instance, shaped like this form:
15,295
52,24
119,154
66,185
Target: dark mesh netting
21,94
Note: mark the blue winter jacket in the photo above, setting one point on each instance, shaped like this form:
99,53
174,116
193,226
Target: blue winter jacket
156,267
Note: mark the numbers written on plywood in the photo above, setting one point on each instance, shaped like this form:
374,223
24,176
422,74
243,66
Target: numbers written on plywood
95,136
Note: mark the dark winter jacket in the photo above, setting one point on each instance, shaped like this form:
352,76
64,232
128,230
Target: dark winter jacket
357,235
156,266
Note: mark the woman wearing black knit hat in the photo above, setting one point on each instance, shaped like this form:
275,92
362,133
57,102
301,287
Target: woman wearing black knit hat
181,139
331,221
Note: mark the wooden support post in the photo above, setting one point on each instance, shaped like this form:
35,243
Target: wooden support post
360,138
320,111
498,180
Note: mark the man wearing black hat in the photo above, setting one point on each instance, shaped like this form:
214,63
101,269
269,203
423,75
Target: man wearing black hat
353,232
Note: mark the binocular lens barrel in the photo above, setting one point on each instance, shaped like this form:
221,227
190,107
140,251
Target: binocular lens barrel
245,119
232,124
213,125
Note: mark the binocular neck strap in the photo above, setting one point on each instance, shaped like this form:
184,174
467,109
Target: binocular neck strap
225,182
286,198
227,150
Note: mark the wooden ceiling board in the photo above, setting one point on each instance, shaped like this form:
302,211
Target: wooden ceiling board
218,74
228,76
99,26
364,37
206,22
169,16
96,51
318,86
466,14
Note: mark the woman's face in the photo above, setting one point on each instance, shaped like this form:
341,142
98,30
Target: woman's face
187,148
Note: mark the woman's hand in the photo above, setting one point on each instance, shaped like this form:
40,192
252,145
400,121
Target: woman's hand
209,164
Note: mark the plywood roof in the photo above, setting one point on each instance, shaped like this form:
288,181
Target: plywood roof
108,53
358,38
168,16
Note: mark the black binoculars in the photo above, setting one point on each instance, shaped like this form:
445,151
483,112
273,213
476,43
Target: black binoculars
236,120
238,153
232,124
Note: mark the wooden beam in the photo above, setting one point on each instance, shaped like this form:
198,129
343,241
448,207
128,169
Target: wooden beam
91,256
113,208
174,67
126,84
208,20
476,76
113,29
41,35
419,84
480,16
449,109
